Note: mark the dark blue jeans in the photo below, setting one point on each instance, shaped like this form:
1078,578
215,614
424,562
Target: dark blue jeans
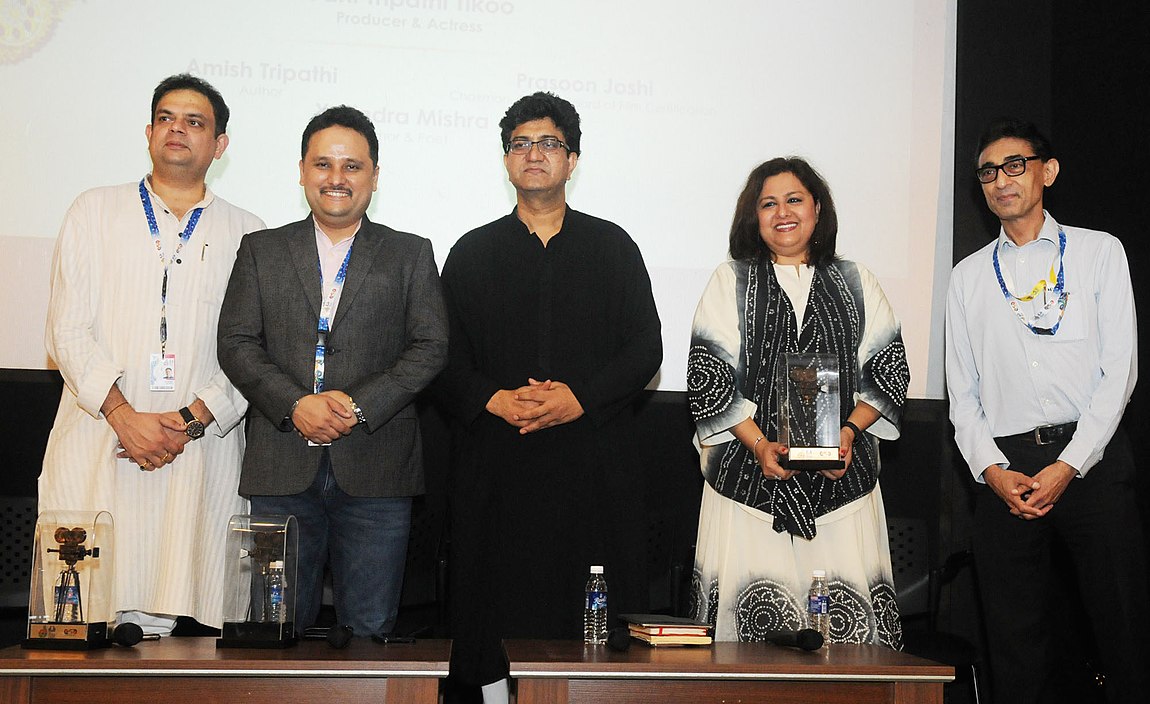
363,539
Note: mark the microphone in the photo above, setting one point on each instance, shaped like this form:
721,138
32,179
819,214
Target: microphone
619,639
339,636
805,639
129,634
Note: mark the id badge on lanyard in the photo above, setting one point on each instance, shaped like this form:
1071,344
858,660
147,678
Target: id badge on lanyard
325,324
162,364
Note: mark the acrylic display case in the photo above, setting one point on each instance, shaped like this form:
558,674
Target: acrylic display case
810,412
69,602
260,580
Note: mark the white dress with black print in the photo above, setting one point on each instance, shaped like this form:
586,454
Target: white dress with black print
759,540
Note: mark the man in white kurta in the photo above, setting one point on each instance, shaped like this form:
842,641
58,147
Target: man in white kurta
120,443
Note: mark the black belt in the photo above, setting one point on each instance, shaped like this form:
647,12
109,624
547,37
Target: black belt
1048,434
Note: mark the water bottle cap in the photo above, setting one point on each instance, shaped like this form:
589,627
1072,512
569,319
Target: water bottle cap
277,564
819,573
596,569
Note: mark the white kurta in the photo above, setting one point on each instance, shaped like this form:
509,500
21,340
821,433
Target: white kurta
103,326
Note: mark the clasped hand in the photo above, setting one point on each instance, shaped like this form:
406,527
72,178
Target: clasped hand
1030,497
151,440
539,405
325,417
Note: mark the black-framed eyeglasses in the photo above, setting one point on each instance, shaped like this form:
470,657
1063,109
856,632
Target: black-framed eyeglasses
547,145
1010,167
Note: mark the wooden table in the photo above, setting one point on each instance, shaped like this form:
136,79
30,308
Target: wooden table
567,672
193,671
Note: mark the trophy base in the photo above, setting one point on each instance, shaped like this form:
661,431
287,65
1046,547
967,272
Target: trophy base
257,634
812,459
66,636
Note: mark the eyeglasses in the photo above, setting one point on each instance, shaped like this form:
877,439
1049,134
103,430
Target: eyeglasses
1010,167
547,145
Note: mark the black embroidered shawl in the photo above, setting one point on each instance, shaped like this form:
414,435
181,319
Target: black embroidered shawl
719,378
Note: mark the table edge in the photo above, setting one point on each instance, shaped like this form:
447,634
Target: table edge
758,676
207,672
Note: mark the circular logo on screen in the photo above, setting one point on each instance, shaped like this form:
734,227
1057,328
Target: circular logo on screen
25,25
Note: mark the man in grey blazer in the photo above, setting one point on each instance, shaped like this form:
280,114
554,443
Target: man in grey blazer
330,327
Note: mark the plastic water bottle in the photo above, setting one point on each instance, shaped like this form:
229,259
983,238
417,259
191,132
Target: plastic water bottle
274,593
819,605
595,613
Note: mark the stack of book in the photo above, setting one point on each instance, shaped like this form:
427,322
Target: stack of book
667,630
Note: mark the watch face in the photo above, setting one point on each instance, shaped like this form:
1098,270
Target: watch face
195,427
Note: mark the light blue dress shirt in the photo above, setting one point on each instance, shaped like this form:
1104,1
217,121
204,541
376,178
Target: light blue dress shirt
1004,379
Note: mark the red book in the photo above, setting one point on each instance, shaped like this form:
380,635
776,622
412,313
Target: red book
658,625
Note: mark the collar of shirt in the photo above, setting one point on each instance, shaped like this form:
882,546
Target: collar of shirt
1049,232
204,202
526,230
331,255
169,237
796,281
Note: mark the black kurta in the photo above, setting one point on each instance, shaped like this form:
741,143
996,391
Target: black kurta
531,513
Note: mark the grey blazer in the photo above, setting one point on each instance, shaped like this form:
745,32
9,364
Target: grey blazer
387,342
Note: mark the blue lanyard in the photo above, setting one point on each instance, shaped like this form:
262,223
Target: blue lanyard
186,235
325,316
1060,297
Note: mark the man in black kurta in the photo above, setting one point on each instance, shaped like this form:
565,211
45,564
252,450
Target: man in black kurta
554,333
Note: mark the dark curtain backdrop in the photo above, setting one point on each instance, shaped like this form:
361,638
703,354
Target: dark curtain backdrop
1081,71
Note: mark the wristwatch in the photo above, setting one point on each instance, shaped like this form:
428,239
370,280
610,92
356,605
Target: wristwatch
359,416
195,429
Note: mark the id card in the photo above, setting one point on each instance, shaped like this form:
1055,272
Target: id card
162,372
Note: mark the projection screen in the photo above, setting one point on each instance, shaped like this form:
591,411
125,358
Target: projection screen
679,101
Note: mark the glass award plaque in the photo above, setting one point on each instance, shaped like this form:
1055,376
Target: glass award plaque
260,580
809,412
69,602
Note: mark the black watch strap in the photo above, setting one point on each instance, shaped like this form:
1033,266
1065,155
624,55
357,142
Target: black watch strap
195,426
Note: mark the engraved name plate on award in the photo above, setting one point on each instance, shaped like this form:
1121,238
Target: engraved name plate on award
809,412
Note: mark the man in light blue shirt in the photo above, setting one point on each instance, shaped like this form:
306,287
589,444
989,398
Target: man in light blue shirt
1041,360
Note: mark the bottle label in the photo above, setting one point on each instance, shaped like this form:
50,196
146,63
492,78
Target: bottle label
818,604
596,600
277,595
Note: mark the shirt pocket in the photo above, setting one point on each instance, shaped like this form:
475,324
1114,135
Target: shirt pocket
1076,321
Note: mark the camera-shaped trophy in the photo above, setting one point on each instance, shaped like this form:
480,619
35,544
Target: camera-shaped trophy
69,602
259,592
810,411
